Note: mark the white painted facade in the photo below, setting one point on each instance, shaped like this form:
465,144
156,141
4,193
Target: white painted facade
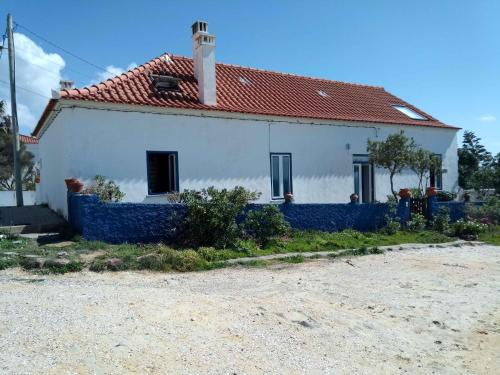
219,149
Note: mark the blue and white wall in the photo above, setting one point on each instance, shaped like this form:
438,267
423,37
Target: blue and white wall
220,149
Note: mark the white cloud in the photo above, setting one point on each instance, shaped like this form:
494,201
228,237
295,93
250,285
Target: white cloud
487,118
112,71
37,71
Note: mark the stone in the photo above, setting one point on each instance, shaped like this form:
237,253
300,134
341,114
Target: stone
30,262
10,254
61,244
62,254
114,264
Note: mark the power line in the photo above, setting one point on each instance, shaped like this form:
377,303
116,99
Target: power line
63,49
25,89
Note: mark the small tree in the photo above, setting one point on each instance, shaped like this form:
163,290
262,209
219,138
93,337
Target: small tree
393,154
7,181
471,156
422,163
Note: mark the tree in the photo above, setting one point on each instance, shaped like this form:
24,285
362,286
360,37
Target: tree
487,176
422,163
471,157
7,157
393,154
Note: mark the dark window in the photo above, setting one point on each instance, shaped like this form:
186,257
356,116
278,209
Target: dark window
363,178
162,172
281,175
436,176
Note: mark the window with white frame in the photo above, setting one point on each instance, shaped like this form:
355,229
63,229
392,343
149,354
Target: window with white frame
281,175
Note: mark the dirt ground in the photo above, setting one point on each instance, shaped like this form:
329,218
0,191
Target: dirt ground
425,311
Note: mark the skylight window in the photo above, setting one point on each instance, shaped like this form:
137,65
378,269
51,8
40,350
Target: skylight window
323,94
409,112
245,81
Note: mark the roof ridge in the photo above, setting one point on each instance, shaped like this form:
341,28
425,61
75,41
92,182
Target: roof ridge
285,74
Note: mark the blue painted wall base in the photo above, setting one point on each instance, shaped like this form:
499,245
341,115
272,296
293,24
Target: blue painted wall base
149,223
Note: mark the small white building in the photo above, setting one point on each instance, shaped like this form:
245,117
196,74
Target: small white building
177,123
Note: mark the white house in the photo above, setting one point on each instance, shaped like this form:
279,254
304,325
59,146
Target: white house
178,123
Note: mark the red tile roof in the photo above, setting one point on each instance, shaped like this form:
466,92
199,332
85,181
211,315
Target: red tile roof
28,139
263,93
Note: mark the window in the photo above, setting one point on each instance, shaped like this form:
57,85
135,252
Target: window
363,178
162,172
409,112
281,175
436,175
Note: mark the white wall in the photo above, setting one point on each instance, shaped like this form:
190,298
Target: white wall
8,198
220,152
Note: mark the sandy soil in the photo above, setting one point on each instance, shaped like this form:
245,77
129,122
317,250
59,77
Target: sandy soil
420,311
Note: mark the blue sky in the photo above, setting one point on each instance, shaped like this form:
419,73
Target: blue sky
442,56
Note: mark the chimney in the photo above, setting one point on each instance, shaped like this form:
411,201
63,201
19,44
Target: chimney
65,85
204,62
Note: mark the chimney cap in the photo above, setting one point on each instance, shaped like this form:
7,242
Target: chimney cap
200,27
66,84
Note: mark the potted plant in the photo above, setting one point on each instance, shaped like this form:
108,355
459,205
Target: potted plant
405,193
431,191
288,197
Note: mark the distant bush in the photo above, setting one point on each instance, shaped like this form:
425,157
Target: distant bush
441,222
488,213
211,216
266,223
107,191
417,223
468,229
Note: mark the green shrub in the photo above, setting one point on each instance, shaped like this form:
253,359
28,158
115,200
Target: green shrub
392,224
465,229
294,259
488,213
107,191
7,263
266,223
187,260
441,222
417,223
211,216
445,196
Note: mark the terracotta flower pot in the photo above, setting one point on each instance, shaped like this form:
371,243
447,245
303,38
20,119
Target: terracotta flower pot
70,181
37,179
431,191
77,186
288,197
405,193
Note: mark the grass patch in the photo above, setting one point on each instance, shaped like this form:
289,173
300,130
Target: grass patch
294,259
162,258
492,236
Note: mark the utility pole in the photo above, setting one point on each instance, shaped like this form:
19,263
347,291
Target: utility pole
15,127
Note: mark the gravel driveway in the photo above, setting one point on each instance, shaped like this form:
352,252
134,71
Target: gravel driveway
432,310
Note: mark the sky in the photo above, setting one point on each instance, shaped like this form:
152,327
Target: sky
441,56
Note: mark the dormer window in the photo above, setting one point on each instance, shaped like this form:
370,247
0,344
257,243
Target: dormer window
409,112
165,83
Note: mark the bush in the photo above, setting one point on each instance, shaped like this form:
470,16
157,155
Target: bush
107,191
441,222
392,224
211,216
445,196
417,223
468,229
488,213
266,223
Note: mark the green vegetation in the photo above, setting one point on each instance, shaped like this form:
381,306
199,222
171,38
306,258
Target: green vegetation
106,190
491,236
98,256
